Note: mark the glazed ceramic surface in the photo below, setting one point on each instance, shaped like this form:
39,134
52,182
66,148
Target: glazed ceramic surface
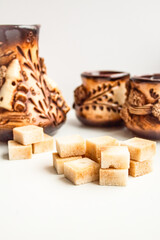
99,99
141,111
27,94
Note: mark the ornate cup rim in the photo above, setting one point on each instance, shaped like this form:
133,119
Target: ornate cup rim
109,75
19,26
150,78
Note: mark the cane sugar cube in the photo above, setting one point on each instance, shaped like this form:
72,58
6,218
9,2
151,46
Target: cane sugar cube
115,157
58,162
18,151
70,146
45,145
94,146
81,171
140,168
113,177
28,134
140,149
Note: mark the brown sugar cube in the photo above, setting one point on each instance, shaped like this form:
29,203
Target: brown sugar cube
140,168
45,145
140,149
94,146
115,157
81,171
70,146
18,151
58,162
113,177
28,134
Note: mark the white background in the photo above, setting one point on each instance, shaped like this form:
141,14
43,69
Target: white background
80,35
77,36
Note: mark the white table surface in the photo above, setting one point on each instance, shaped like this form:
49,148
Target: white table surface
36,203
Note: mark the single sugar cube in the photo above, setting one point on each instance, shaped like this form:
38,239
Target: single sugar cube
70,146
115,157
28,134
81,171
140,168
94,146
140,149
58,162
18,151
45,145
113,177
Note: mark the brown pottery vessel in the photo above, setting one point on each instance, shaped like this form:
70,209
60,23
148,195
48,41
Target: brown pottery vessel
141,111
99,99
27,95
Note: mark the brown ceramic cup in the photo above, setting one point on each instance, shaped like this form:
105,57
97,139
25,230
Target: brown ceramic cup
99,99
141,111
27,95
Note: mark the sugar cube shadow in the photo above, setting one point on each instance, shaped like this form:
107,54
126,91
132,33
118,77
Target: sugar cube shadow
65,180
51,170
4,156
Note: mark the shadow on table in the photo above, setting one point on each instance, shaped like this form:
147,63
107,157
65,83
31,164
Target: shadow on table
121,131
51,170
4,156
65,180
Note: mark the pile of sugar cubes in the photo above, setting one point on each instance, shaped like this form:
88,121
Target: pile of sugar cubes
82,161
103,158
27,140
142,154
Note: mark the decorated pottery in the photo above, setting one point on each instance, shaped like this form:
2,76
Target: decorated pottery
141,111
99,99
27,95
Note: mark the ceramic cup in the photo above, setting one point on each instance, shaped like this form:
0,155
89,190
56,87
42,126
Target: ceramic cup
99,99
27,95
141,111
